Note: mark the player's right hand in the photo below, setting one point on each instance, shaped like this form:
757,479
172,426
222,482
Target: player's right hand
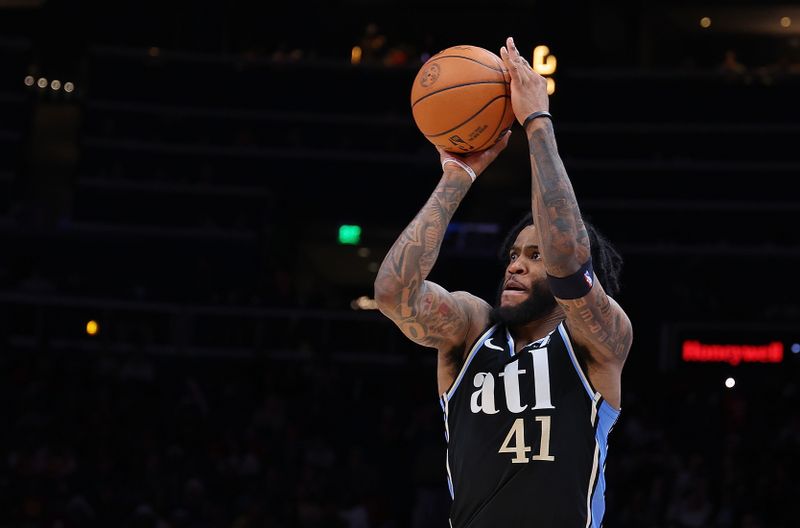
478,161
528,88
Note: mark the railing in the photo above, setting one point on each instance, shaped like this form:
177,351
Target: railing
58,323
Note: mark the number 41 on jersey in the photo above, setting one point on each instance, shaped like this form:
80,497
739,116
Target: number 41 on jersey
515,442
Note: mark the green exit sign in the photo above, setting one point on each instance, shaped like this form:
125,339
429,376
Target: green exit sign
349,234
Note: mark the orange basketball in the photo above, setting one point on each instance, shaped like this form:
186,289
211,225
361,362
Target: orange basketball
461,100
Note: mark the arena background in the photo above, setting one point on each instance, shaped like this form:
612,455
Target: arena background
185,192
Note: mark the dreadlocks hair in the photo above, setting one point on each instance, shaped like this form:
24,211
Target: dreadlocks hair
606,260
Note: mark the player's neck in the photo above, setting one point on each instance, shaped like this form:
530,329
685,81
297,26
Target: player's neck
537,329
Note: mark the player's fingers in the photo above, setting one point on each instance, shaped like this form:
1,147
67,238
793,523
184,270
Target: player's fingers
513,52
443,153
515,55
515,62
503,139
501,142
504,57
510,64
498,147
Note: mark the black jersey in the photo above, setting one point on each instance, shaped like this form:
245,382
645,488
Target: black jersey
526,436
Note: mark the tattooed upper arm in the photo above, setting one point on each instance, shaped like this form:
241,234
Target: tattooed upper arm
435,317
600,325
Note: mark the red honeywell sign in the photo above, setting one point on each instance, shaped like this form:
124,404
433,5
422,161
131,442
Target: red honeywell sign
695,351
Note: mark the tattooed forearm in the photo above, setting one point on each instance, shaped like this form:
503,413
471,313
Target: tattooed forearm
565,242
411,258
598,322
402,274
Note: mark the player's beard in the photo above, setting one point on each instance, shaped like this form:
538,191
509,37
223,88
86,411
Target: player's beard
539,303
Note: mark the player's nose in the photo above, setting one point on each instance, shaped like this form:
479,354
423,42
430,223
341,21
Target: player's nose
515,267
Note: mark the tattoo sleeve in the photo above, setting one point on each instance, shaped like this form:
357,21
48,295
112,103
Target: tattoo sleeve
425,312
565,247
565,242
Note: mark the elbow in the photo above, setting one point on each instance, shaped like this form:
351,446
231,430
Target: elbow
386,292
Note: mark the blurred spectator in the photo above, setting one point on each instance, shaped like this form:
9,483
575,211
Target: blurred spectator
373,45
730,65
160,442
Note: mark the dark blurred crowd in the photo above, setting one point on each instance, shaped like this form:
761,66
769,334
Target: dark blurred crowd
103,439
139,441
122,436
689,453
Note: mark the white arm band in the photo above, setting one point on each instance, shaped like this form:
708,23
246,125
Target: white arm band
462,165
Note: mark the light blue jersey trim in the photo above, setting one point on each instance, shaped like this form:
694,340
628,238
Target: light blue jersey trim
588,386
607,417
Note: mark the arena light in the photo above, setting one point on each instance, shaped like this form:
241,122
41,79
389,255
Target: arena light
355,55
92,328
730,383
705,22
55,85
349,234
694,351
364,303
543,63
41,83
29,80
69,87
786,21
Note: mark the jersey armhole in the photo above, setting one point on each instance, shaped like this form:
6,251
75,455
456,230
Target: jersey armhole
476,345
590,390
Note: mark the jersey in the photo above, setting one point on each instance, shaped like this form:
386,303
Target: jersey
526,436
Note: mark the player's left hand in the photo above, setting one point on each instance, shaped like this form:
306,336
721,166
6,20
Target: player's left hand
528,88
478,161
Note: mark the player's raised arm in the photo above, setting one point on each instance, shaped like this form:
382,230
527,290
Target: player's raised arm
425,312
595,320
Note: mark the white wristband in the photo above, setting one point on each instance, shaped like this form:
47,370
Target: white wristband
462,165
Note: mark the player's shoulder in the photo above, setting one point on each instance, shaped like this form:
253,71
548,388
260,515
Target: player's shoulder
478,312
472,304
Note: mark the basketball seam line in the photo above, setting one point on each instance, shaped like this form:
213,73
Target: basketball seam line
467,120
490,136
455,86
466,58
503,115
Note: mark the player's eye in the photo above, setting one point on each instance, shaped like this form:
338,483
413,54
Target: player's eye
512,257
536,255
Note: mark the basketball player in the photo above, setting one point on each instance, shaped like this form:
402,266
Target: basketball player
530,388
